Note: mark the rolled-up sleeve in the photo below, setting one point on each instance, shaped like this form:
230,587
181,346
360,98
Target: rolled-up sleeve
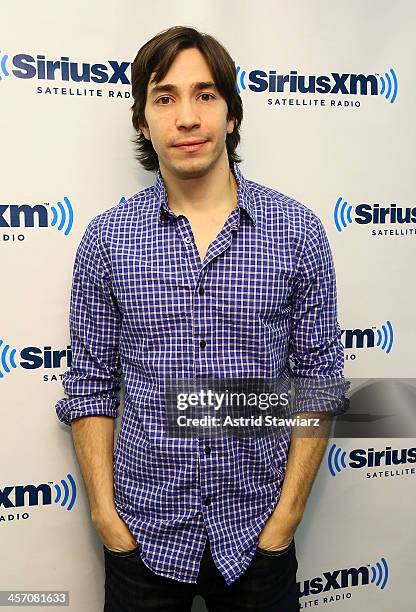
92,382
315,346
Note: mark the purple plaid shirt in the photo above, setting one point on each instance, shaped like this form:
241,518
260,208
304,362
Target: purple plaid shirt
144,307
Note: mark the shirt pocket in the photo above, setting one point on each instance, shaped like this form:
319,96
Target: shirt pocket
253,311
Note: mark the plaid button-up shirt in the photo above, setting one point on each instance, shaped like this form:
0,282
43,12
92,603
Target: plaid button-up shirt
144,307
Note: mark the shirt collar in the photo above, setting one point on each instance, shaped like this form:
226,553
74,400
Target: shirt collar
244,196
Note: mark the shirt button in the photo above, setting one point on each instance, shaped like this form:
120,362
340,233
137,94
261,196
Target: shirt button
202,343
187,239
207,501
201,291
207,450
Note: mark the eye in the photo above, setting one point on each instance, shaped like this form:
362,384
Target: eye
162,98
207,94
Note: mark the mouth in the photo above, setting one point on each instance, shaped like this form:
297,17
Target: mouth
191,146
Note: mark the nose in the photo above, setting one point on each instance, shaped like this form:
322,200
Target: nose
186,114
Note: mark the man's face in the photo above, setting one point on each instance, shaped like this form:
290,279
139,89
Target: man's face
186,107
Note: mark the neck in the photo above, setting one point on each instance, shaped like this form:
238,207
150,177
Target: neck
215,191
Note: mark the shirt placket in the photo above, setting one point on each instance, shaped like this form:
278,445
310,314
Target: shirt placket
200,271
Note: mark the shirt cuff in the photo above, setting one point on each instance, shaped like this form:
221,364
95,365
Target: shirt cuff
321,395
68,409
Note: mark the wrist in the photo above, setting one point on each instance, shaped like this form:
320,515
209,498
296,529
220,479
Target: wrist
103,514
288,513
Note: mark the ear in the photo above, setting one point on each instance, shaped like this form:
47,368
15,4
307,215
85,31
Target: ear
230,125
145,130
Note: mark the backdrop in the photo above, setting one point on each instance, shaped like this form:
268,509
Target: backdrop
337,134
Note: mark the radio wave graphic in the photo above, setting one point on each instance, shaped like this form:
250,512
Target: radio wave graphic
68,495
3,67
7,356
342,214
64,215
336,460
389,85
240,79
380,573
385,337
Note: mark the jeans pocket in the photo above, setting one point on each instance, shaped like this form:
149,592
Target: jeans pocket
121,553
275,553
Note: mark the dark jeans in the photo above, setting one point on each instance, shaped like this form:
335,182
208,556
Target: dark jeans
267,585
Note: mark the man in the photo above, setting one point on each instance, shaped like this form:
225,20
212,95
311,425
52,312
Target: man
204,274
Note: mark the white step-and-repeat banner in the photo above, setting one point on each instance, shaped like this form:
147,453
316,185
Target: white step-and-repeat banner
337,134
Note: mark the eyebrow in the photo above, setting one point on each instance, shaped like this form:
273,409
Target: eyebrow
173,88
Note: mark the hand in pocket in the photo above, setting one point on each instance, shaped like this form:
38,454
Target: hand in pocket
114,533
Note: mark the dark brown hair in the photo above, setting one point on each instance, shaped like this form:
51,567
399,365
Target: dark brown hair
157,55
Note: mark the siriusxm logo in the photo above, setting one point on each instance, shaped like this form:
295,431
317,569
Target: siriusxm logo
60,216
25,66
381,337
339,460
334,83
43,494
345,214
345,578
33,358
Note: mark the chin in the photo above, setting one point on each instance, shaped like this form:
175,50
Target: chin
192,169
